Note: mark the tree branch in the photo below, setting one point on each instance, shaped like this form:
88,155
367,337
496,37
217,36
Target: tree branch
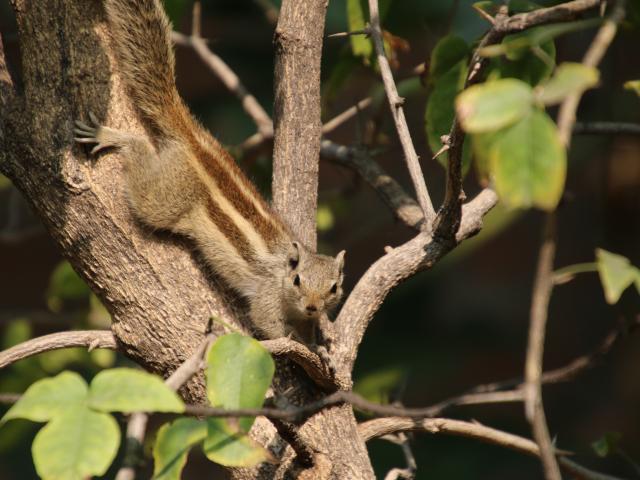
90,339
534,409
385,426
397,112
249,103
297,125
593,56
606,128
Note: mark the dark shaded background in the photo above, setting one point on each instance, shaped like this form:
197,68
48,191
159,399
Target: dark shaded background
462,323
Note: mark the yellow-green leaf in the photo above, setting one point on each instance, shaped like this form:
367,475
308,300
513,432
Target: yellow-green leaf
239,373
172,446
494,105
633,85
50,398
361,45
616,274
79,444
129,390
228,446
568,78
528,163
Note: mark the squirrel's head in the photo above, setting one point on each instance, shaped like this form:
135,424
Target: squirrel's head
313,283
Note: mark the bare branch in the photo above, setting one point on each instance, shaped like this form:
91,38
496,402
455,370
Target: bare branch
593,56
409,472
403,206
606,128
343,117
385,426
558,13
90,339
397,112
249,103
534,409
308,360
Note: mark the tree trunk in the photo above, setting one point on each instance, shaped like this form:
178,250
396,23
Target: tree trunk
158,293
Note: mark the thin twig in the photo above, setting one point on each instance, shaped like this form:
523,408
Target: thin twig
409,472
543,285
383,426
249,103
606,128
593,56
397,112
89,338
512,390
343,117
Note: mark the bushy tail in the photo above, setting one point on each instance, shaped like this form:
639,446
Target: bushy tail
141,37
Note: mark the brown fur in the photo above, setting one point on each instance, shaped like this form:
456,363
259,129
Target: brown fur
190,185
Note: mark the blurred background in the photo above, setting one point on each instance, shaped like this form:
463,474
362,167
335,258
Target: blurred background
462,323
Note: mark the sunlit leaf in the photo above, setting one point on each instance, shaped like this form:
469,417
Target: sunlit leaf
493,105
324,218
376,386
17,331
76,445
568,78
616,274
239,373
361,45
528,163
50,398
633,85
129,390
172,446
228,446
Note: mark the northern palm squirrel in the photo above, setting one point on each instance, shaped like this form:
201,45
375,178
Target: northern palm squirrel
187,183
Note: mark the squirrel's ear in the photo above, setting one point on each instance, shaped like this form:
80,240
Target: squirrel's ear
340,260
293,257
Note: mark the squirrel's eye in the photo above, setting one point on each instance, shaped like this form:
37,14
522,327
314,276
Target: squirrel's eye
334,288
296,280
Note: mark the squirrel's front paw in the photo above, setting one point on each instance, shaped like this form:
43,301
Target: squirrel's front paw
325,358
91,134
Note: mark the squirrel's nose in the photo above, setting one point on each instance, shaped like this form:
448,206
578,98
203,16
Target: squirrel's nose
312,308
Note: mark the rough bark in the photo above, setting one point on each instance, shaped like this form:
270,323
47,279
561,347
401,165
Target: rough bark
157,291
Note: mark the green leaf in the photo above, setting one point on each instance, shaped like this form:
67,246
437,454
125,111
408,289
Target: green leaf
440,111
227,446
128,390
18,331
528,163
361,46
172,446
76,445
65,285
532,66
376,386
633,85
607,444
616,274
493,105
50,398
569,78
239,373
446,55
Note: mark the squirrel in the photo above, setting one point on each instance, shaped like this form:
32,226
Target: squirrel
186,182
